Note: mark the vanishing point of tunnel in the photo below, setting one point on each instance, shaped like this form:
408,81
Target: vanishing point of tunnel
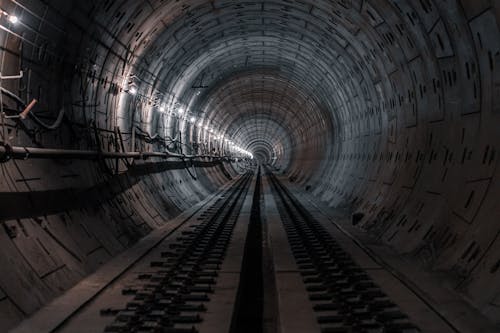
212,166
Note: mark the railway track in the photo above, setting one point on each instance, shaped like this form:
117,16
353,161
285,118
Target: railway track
250,259
172,298
167,288
343,296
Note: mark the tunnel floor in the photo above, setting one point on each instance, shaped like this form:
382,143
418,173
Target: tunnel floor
257,256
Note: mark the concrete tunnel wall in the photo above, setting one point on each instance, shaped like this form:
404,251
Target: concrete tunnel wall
389,108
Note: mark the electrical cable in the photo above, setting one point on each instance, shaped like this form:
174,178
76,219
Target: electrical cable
36,119
188,170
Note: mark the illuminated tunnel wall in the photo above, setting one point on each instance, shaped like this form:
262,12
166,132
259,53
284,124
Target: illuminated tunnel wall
388,108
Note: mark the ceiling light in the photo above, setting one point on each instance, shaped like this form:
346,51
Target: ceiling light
192,120
162,109
13,19
180,111
132,90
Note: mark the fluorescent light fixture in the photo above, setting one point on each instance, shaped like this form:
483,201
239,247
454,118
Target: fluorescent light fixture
13,19
132,90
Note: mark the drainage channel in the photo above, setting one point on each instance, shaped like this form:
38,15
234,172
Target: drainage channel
172,298
249,308
343,295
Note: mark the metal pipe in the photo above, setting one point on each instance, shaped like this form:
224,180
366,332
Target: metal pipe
11,77
12,152
28,108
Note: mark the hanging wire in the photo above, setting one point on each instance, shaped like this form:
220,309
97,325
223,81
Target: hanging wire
37,120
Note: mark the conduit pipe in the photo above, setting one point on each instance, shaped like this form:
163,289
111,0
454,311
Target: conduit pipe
8,152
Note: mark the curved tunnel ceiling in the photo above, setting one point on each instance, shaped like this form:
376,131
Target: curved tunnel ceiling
247,38
385,107
380,98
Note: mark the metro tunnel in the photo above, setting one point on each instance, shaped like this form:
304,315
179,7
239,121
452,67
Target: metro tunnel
250,166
